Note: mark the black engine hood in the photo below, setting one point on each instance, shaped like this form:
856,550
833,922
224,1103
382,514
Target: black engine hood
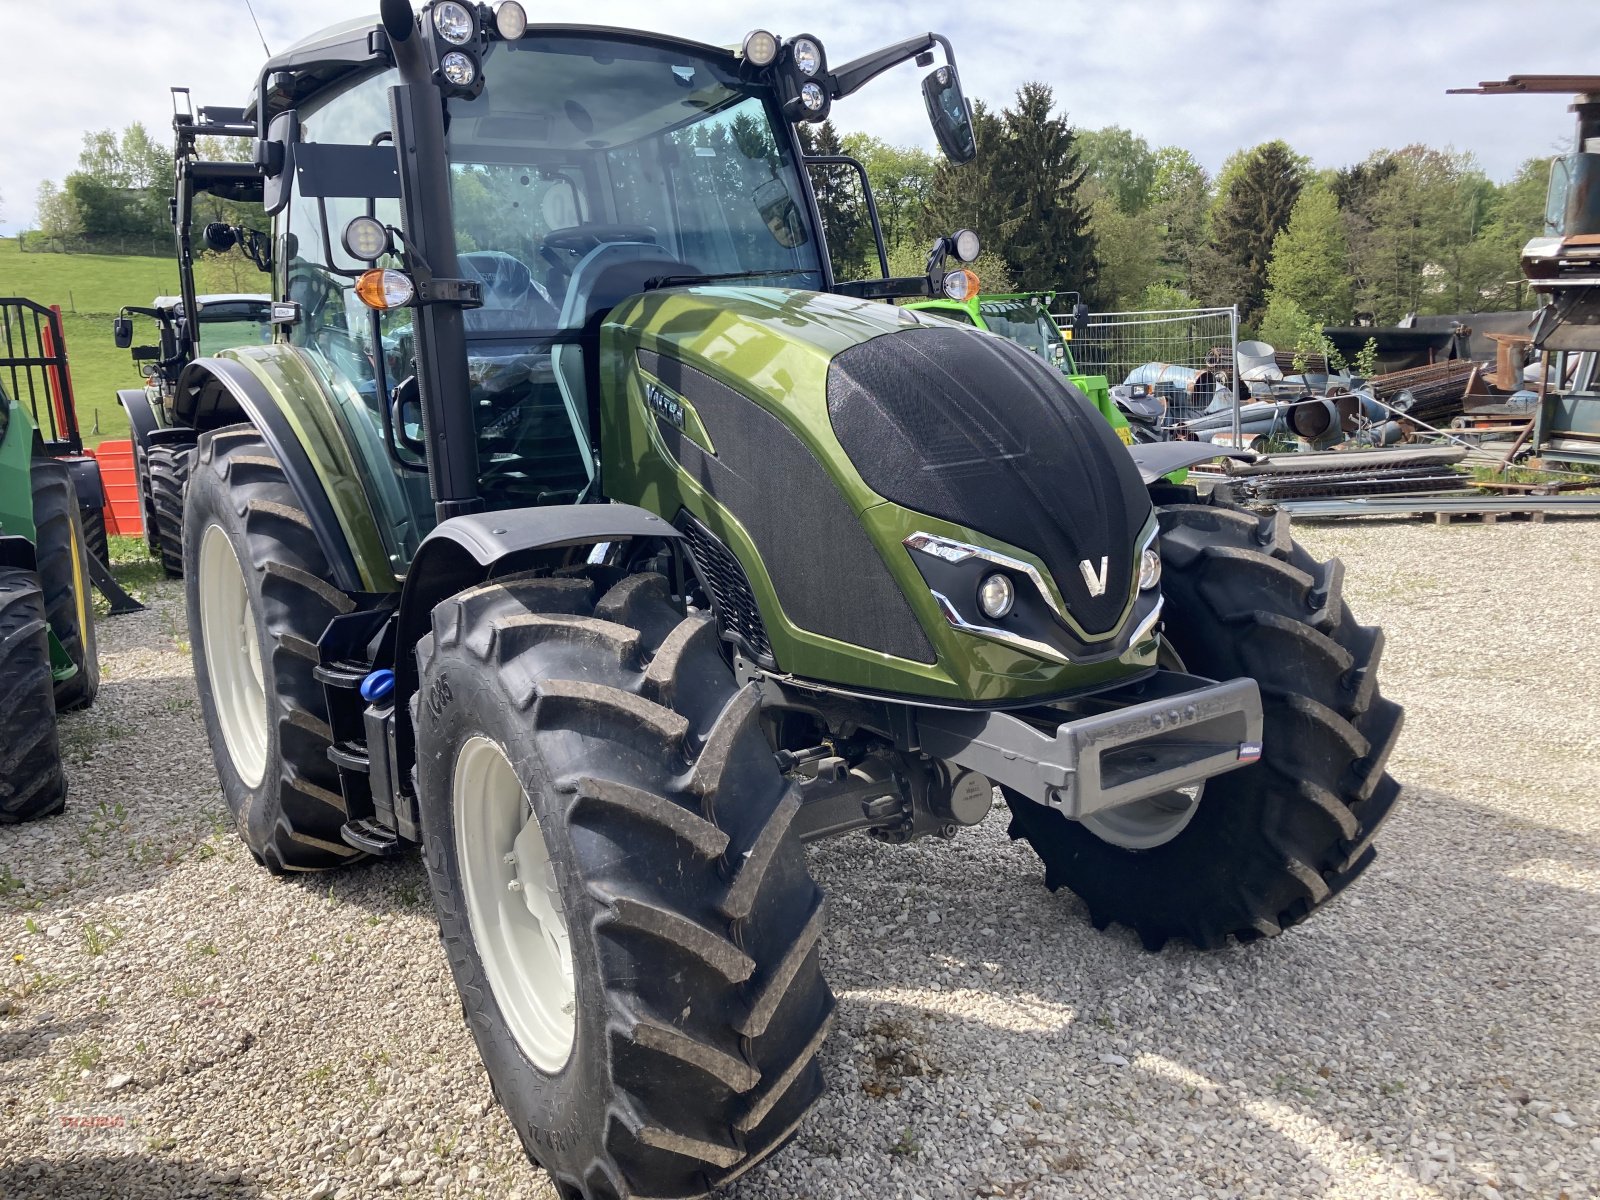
980,432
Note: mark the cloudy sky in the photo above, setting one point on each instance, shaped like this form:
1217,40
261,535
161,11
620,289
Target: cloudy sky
1335,78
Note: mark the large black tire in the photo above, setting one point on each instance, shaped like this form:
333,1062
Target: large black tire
700,1003
63,561
1269,843
168,466
32,783
291,816
147,500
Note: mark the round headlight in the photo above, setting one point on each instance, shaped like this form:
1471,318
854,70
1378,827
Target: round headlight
510,20
996,595
454,23
967,246
760,48
807,57
366,239
1149,569
458,68
961,285
385,289
813,97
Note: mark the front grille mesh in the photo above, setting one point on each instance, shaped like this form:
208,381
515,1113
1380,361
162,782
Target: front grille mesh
731,597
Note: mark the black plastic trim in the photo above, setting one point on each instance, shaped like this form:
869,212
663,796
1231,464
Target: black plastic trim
141,417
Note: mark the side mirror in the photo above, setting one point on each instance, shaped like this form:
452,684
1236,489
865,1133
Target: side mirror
405,412
950,114
275,156
781,214
122,332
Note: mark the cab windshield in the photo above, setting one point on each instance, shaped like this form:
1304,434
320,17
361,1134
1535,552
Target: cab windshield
580,143
228,324
1027,323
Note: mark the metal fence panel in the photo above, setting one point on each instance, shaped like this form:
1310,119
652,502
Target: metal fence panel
1186,355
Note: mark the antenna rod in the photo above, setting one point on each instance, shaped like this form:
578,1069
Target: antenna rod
251,10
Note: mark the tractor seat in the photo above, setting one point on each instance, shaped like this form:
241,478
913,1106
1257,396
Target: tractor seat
603,278
512,297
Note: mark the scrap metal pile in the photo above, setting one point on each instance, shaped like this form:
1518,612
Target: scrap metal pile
1409,470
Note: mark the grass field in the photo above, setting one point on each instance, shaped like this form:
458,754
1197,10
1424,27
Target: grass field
91,288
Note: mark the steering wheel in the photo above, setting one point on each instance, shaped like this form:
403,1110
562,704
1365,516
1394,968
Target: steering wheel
581,239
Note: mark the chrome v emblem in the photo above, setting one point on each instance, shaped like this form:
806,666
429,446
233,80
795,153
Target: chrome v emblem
1095,580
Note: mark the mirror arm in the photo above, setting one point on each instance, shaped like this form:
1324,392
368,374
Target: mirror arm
855,75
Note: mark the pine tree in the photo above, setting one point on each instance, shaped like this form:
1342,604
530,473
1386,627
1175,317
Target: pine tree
1045,234
842,204
965,196
1256,205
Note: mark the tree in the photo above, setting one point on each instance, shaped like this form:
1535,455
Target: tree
842,204
1179,199
121,186
1261,193
902,177
1310,259
58,216
1128,249
1045,235
1122,163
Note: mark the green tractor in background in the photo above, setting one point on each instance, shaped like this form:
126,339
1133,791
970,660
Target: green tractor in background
188,325
583,529
1025,318
48,660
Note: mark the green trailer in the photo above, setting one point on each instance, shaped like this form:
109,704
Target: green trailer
584,529
48,659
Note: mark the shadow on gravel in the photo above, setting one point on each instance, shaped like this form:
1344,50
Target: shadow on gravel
118,1177
32,1039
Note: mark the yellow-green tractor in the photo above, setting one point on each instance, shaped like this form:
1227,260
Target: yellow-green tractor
582,528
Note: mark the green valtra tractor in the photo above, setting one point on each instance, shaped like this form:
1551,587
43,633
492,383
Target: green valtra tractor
48,659
1025,318
581,527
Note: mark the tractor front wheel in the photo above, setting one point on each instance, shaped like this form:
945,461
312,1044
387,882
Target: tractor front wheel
1264,846
258,599
32,783
63,559
625,907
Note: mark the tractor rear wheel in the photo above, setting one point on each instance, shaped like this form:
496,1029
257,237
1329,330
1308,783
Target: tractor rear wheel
626,909
168,466
32,783
94,534
258,599
63,561
1267,844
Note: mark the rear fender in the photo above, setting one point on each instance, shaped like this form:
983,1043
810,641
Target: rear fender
295,419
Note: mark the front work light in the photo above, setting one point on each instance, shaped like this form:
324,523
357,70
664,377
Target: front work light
385,289
813,97
961,285
366,239
454,23
761,48
807,57
458,68
510,20
967,246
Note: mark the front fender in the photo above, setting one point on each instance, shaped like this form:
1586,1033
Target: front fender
141,417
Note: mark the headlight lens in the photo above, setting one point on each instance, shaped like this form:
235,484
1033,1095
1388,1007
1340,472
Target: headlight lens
807,57
454,23
511,20
996,596
1149,568
458,68
813,97
961,285
760,48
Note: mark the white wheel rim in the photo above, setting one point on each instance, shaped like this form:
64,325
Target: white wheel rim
514,904
233,656
1155,821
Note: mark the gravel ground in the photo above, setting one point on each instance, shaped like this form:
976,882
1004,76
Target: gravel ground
1434,1033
